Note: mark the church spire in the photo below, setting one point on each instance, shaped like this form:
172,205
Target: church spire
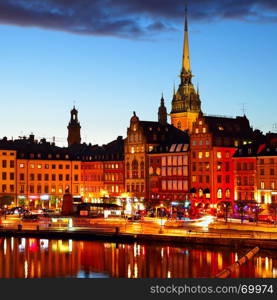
186,59
162,113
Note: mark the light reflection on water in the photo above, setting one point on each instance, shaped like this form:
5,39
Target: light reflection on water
43,258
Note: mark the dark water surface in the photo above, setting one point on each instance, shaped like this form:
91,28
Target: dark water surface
43,258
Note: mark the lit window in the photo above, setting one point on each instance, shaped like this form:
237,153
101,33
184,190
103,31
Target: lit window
200,122
194,178
200,192
32,166
219,193
207,154
132,150
200,154
207,142
21,165
262,185
204,130
218,155
220,128
196,130
228,193
39,166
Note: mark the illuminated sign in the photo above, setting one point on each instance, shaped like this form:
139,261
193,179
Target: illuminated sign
44,197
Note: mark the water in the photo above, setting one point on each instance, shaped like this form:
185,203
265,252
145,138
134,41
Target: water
42,258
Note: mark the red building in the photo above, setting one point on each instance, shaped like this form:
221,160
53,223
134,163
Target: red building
168,175
212,144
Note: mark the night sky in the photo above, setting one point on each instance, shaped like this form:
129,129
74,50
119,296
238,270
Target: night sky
115,56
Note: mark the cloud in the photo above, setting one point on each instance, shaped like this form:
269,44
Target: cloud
129,18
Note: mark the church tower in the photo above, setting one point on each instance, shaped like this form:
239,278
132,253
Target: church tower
186,104
74,129
162,113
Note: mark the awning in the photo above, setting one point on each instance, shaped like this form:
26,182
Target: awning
206,191
193,190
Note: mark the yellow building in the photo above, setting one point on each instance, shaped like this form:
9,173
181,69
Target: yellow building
7,176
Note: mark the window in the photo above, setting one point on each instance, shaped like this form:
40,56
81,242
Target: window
11,188
261,171
227,179
227,154
196,130
262,185
238,180
200,192
179,125
46,166
46,189
4,163
227,166
245,180
272,185
207,154
204,130
76,177
142,169
4,188
39,166
227,193
200,143
207,179
32,166
53,177
271,171
207,166
32,177
219,193
76,167
67,177
193,154
200,178
134,168
53,166
219,166
21,166
238,166
200,155
207,142
21,189
11,176
251,180
32,189
39,177
193,178
4,176
194,166
21,176
67,167
261,161
39,189
244,166
219,179
60,167
218,155
11,163
46,177
60,177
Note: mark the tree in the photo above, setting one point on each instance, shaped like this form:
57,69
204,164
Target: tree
241,204
226,205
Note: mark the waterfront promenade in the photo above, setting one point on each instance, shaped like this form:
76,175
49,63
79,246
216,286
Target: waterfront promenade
123,230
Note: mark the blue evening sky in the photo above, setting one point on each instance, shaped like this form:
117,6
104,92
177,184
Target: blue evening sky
44,71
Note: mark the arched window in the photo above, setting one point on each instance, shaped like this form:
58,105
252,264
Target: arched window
200,191
134,168
228,193
128,170
179,125
219,193
142,169
158,171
